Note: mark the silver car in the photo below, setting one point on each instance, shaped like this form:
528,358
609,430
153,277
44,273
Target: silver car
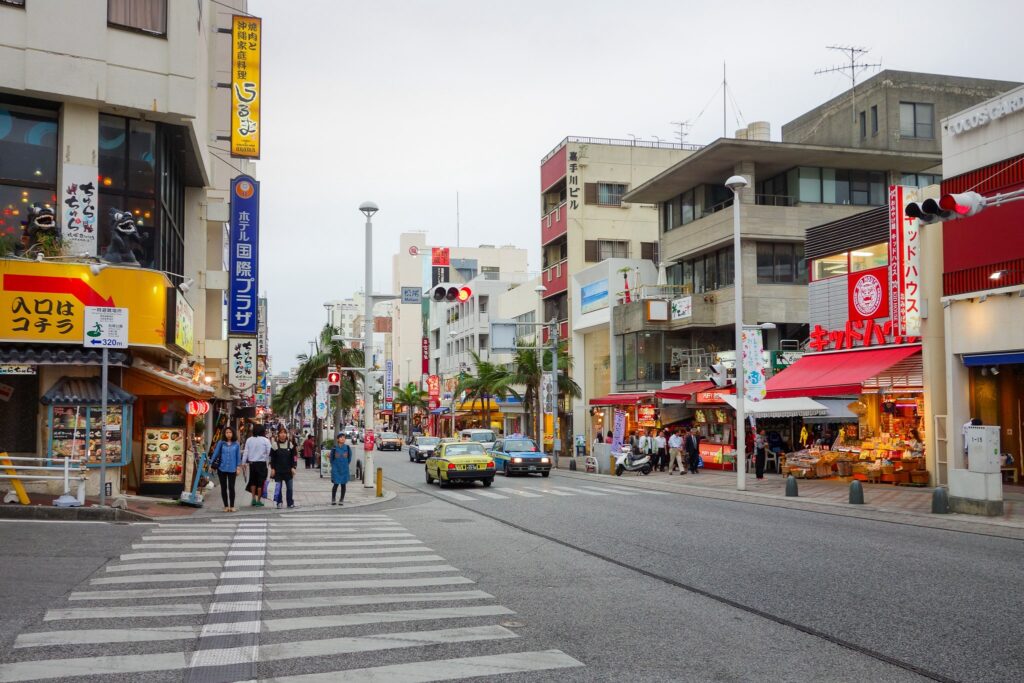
422,448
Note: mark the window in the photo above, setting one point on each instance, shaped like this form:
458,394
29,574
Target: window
28,165
810,185
838,186
681,210
917,120
866,258
830,266
781,263
148,16
649,251
599,250
874,119
863,118
490,272
610,194
920,179
704,273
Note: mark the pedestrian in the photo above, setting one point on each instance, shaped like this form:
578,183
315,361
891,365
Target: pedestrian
226,457
692,446
661,446
644,444
341,458
307,451
675,452
760,454
283,461
255,457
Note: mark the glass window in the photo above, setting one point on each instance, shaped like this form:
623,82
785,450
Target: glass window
14,203
801,264
859,188
874,119
113,144
878,188
863,124
810,185
629,356
142,157
917,120
920,179
620,369
866,258
28,147
830,266
828,185
710,272
610,193
688,274
686,207
698,276
765,262
725,267
674,274
612,249
149,16
649,356
784,264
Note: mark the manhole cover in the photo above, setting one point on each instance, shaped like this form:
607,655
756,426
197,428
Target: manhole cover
512,624
455,521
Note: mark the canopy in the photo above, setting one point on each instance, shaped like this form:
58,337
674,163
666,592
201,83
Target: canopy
170,382
779,407
478,405
439,411
684,392
835,374
54,354
983,359
838,411
622,399
84,391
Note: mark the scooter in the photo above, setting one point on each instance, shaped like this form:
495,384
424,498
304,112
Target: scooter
627,462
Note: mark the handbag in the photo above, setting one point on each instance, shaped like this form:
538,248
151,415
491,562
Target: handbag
277,492
266,488
215,463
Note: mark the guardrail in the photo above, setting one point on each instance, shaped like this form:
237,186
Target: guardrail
61,472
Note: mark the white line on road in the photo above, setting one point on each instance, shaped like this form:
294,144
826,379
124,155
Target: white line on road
553,492
524,494
373,599
155,578
330,561
490,494
362,618
139,593
325,544
455,496
132,611
355,571
583,491
368,583
607,490
347,551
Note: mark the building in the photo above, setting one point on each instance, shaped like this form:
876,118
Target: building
413,272
983,299
342,314
584,220
127,116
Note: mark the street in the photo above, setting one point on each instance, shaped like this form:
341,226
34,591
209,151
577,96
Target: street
565,578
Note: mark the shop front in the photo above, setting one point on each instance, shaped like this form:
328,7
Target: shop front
639,408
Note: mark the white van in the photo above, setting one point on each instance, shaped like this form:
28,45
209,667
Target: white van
484,437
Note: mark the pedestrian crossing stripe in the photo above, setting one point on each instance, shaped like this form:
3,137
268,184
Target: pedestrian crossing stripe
504,493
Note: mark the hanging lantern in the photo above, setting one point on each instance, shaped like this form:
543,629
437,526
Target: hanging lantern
197,407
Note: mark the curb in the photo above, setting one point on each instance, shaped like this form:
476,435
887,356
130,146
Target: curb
76,514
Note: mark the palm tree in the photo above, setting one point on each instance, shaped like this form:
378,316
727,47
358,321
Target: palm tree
529,369
491,381
412,397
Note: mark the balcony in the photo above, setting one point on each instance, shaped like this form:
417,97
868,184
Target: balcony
555,278
553,225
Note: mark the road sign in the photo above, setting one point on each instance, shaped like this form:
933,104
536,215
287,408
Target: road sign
105,327
414,251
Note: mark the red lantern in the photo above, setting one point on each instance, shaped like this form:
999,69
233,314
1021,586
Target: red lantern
197,408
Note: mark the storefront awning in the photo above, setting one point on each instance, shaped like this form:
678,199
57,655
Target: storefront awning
171,382
779,407
684,392
479,406
838,411
439,411
835,374
622,399
985,359
84,391
58,354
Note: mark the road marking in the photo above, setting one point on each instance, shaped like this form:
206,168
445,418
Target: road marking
355,571
329,561
383,641
490,494
156,578
241,575
107,635
524,494
350,551
584,492
362,618
373,599
229,589
327,544
91,666
132,611
235,606
486,667
137,593
368,583
349,536
211,564
259,562
615,491
171,556
455,496
230,628
553,492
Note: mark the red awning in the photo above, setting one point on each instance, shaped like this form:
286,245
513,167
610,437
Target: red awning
684,392
622,399
835,374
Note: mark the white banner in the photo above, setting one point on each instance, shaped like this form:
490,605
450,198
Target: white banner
545,393
321,398
79,201
753,365
307,410
241,363
618,431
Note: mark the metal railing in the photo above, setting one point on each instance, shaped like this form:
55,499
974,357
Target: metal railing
46,472
774,200
653,144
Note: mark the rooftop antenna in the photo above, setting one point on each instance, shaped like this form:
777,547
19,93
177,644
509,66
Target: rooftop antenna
725,84
850,71
684,129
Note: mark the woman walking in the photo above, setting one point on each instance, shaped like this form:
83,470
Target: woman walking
283,458
226,457
341,458
307,451
255,457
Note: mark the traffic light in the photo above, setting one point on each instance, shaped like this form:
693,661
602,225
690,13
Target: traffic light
719,374
449,294
333,383
948,207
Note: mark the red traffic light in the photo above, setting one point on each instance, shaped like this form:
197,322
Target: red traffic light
465,293
963,204
334,378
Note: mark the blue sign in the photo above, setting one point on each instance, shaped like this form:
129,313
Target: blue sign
594,296
244,255
411,295
389,381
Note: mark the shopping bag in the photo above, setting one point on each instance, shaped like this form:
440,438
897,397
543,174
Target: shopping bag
277,492
266,489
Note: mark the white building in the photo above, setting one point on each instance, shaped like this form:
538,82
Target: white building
342,314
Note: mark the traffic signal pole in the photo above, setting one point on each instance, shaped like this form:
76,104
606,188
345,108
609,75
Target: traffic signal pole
367,350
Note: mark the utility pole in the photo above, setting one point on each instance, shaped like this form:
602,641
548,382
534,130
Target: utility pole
725,86
850,71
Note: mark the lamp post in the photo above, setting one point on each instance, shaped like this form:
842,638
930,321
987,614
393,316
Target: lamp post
737,183
368,209
540,289
330,321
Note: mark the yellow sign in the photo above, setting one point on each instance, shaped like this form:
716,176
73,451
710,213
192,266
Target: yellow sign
45,302
246,33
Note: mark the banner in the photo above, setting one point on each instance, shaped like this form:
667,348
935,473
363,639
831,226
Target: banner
389,381
241,363
78,214
618,431
246,35
753,365
321,398
868,297
307,411
425,347
244,254
545,393
904,263
261,327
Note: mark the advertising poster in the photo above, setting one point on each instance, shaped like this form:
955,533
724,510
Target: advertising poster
244,256
246,35
753,366
682,308
594,296
321,397
163,456
78,210
76,433
241,363
618,430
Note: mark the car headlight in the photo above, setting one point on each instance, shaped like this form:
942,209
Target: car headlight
545,460
517,460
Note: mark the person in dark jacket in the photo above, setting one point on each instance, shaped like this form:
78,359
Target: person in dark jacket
692,446
283,459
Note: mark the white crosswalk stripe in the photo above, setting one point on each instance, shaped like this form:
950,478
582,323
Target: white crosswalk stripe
490,494
263,596
544,490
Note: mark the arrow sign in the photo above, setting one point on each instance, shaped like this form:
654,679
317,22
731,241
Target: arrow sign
76,287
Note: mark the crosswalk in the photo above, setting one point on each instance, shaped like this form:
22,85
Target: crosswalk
509,493
301,598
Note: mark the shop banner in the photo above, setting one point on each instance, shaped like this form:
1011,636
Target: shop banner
440,256
545,393
646,416
753,365
425,347
389,382
78,200
321,397
246,96
682,308
868,295
594,296
244,253
618,431
180,322
904,263
261,326
307,411
241,363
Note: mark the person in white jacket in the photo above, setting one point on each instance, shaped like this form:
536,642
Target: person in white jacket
255,459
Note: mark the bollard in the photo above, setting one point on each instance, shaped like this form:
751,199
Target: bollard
856,493
791,488
611,464
940,501
380,482
572,465
368,469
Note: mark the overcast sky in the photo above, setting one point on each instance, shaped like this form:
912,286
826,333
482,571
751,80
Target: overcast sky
405,103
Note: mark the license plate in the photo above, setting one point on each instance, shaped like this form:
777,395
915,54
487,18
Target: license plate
470,467
532,468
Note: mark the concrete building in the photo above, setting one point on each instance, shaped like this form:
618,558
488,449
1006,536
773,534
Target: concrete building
342,313
124,115
411,268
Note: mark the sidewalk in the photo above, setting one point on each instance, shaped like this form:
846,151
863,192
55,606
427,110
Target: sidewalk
311,492
885,502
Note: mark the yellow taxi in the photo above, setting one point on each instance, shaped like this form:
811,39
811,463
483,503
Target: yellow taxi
460,461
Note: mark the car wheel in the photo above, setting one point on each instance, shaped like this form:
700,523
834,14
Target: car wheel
507,471
430,479
488,481
411,459
545,474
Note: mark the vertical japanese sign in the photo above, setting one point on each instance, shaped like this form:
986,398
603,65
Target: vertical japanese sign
389,384
321,398
261,381
244,253
261,329
241,363
307,411
78,215
753,366
618,430
573,180
425,363
434,391
246,33
904,264
440,265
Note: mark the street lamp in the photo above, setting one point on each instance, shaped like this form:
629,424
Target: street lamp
368,209
540,289
327,309
736,183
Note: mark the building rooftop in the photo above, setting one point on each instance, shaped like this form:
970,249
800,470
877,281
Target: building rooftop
653,144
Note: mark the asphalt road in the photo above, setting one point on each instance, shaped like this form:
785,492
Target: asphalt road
564,578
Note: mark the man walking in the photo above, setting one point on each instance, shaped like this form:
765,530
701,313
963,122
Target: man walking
675,453
692,450
661,444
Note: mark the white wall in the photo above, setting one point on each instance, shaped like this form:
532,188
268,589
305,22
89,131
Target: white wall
985,144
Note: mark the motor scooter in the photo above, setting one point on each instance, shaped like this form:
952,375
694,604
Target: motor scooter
627,462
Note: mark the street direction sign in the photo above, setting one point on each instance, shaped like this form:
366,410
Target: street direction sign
105,327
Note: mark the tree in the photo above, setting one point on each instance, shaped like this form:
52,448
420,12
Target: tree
410,396
529,369
491,381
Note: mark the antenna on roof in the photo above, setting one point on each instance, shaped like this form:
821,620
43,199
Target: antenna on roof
850,70
684,130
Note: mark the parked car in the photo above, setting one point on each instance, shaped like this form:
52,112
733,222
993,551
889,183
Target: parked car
460,461
519,455
389,441
422,448
484,437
